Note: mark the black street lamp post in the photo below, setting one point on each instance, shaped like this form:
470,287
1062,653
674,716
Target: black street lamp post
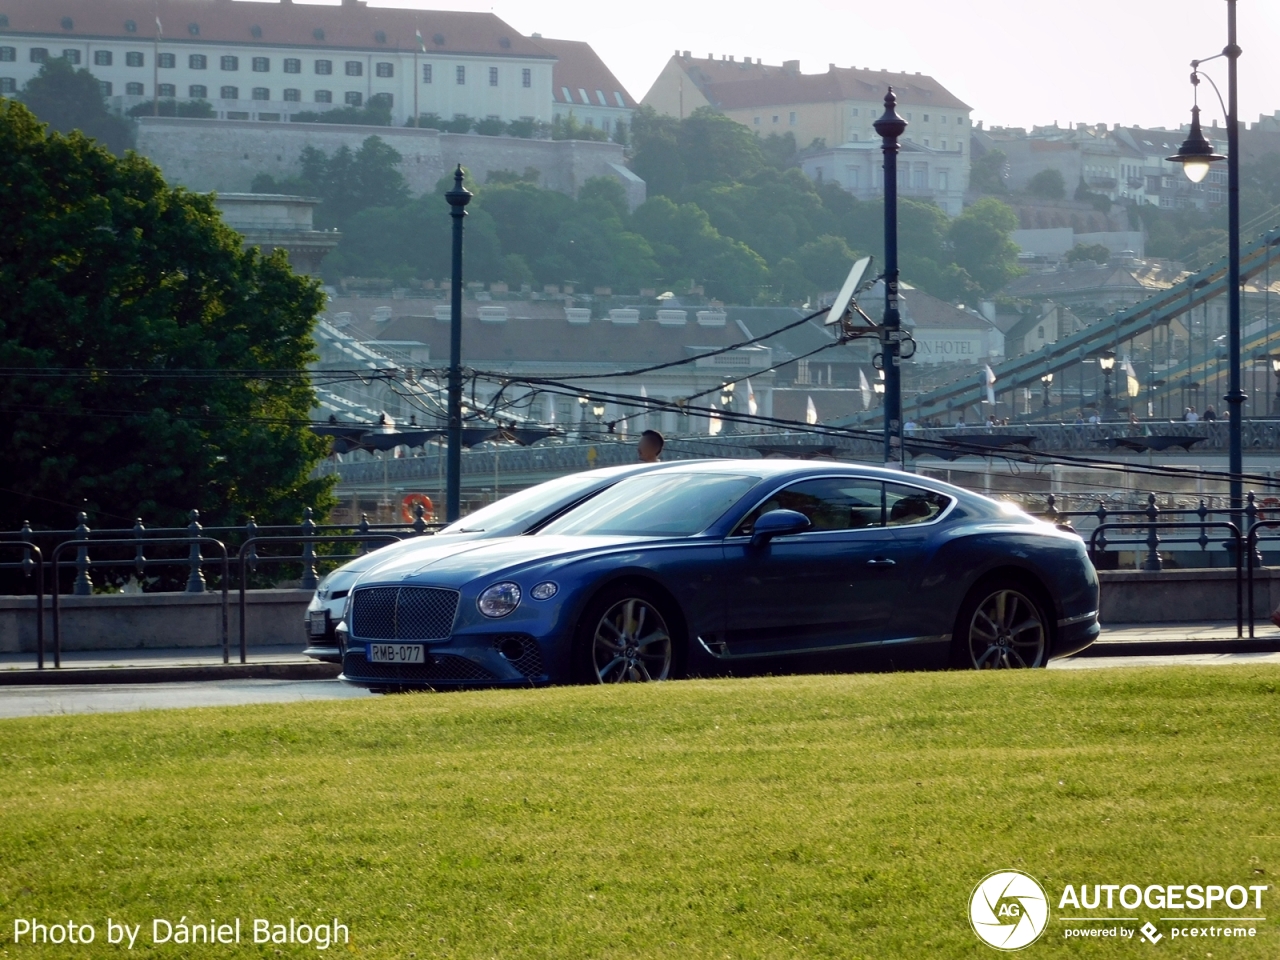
889,128
1047,380
458,199
1196,155
1275,368
1108,363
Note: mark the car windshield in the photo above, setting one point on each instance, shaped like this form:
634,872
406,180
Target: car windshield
655,505
531,505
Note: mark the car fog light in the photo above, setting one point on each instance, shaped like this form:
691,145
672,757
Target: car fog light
499,600
545,590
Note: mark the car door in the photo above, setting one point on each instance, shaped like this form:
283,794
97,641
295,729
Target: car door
836,585
845,583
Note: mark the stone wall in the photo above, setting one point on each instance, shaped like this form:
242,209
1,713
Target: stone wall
225,155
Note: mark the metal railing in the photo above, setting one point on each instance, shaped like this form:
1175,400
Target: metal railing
28,565
140,537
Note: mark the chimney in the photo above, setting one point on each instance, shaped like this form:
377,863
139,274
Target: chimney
791,66
831,68
686,54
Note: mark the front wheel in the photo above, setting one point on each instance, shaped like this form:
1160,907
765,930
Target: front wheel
625,636
1001,627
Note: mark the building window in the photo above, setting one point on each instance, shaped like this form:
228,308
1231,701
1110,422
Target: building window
198,61
353,98
943,118
757,121
382,100
101,58
385,69
8,54
926,118
71,56
134,58
134,90
261,64
324,96
960,120
943,181
355,68
167,61
461,75
8,85
926,141
230,64
292,95
793,117
426,73
526,77
198,91
775,118
292,65
493,76
229,93
261,93
167,90
944,144
920,178
105,87
324,67
851,178
39,54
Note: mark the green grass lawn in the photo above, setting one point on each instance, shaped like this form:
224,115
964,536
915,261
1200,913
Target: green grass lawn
831,816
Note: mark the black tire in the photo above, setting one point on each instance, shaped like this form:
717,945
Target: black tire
1003,624
628,634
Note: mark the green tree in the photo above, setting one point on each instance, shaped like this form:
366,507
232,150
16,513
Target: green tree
778,150
376,114
1095,252
688,248
656,157
346,183
716,149
1048,185
569,128
983,247
986,172
69,99
105,268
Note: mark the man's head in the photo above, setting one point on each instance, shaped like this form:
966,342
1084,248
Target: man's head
650,446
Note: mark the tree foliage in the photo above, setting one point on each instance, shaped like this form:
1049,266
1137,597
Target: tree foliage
68,99
105,268
199,109
1048,184
347,182
1091,253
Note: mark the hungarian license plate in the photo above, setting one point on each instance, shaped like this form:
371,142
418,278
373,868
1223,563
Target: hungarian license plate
317,623
395,653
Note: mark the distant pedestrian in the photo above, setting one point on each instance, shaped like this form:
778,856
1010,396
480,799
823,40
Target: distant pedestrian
1191,416
649,449
1210,413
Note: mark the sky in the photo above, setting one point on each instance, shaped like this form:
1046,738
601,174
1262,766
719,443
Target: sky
1016,62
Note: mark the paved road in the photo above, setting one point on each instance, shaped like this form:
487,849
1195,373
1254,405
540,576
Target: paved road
115,698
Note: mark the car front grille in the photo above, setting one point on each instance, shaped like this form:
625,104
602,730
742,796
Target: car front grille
437,668
403,613
522,652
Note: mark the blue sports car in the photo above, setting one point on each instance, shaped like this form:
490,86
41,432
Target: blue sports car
731,567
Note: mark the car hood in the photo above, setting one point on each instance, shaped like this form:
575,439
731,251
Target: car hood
409,547
481,558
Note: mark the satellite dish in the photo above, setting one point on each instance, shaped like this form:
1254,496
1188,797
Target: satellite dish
851,283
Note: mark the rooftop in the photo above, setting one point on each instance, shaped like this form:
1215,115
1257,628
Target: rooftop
353,25
581,78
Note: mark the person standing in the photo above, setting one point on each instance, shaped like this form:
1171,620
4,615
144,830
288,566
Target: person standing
649,449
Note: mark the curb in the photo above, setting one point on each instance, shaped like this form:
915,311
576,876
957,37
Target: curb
1173,648
63,676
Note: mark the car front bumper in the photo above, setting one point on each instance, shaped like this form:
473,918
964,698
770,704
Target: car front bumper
1076,634
477,660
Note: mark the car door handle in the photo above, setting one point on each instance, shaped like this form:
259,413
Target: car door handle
880,562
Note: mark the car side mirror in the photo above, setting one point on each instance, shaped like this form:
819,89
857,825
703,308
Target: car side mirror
777,523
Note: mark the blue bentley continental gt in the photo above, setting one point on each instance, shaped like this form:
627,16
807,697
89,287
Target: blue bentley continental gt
732,566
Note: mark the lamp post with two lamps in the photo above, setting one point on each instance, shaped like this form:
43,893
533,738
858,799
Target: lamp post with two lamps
1196,156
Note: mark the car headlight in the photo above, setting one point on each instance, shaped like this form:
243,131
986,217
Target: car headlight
499,600
545,590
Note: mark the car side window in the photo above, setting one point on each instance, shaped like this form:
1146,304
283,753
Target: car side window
830,503
907,505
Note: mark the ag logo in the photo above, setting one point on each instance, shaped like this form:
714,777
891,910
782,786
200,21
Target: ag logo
1008,910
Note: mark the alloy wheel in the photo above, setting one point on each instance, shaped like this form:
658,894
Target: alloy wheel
1007,631
631,644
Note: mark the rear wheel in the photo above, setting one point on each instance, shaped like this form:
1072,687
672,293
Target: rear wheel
1002,626
626,636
